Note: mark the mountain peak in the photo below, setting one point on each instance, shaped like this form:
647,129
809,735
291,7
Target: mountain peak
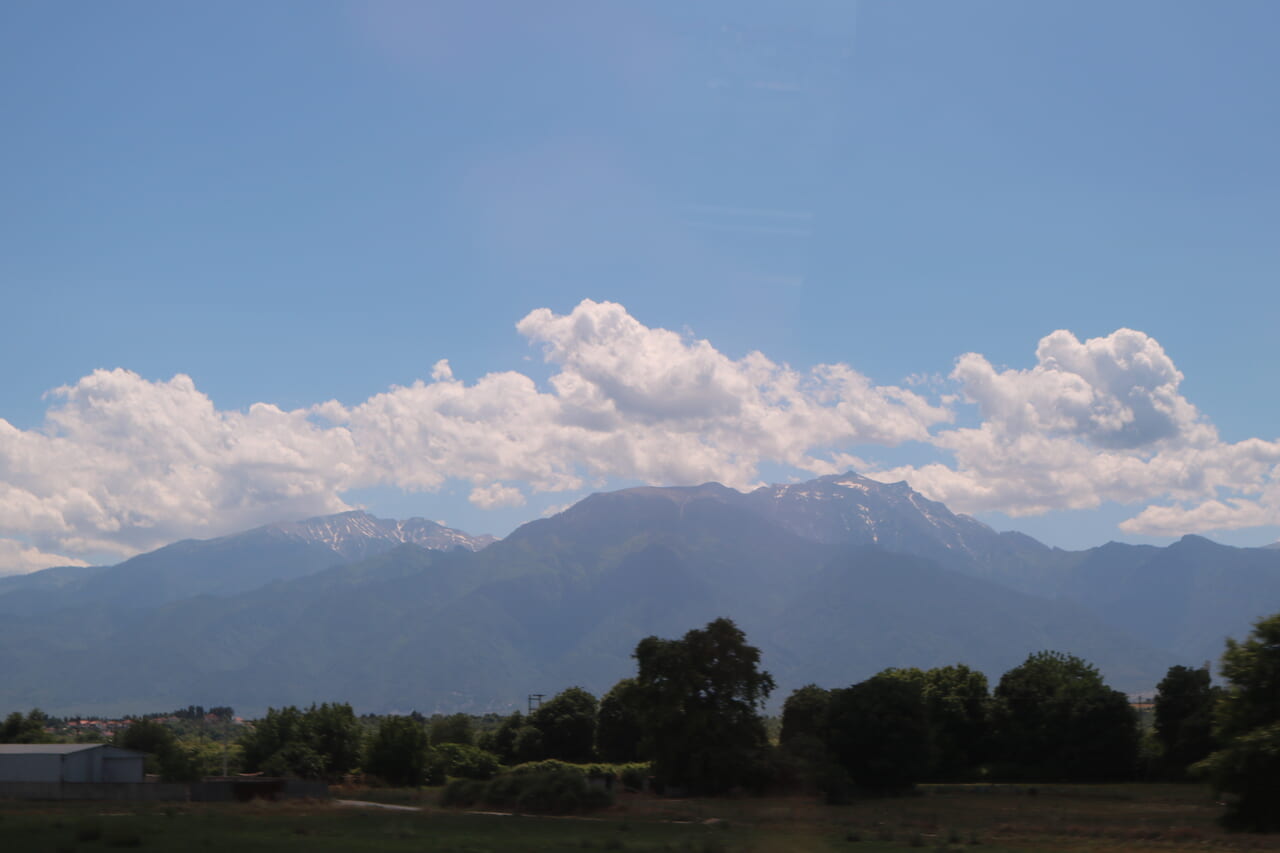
355,533
682,494
1191,540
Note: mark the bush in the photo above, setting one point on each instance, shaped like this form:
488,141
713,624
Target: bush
556,789
634,776
466,762
550,765
463,793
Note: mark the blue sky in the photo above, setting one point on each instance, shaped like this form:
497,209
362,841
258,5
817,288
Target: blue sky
294,203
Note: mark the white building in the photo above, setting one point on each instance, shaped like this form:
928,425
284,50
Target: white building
69,762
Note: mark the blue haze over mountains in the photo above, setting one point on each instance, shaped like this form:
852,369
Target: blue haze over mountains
834,579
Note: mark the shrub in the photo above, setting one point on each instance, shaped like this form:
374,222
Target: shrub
463,793
466,762
634,776
556,789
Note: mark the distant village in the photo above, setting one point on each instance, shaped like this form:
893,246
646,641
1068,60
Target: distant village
192,719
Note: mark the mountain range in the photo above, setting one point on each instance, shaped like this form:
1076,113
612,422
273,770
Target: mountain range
834,579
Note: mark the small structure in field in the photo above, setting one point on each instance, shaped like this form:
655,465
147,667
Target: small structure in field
69,762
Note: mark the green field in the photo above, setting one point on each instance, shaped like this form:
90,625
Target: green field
976,818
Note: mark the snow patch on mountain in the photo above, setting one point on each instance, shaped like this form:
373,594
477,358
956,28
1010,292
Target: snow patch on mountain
358,534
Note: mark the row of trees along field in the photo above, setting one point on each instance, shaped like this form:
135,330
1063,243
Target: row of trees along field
693,713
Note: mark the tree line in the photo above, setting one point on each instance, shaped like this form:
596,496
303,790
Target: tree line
694,713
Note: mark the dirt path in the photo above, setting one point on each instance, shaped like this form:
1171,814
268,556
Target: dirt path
365,804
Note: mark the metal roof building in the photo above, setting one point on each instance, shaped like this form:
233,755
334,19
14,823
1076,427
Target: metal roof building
69,762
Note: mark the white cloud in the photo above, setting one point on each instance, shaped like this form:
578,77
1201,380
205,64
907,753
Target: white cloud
1118,392
496,495
1101,420
124,464
18,558
626,401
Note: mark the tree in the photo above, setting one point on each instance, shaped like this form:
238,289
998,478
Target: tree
804,760
699,699
324,740
29,729
1184,718
399,754
878,730
618,728
568,726
1053,718
502,740
336,737
165,756
804,717
279,729
527,745
455,728
295,758
956,700
1247,723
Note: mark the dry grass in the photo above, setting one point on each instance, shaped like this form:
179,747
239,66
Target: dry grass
978,819
1056,817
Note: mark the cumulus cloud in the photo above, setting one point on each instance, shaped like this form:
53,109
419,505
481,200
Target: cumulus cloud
627,401
123,463
1117,392
496,495
1093,421
18,558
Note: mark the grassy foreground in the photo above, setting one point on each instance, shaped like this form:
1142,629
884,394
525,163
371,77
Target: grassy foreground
955,818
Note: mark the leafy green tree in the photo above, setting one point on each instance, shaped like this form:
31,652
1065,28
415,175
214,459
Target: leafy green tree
528,745
804,716
568,726
399,753
699,700
335,736
1184,718
804,761
165,756
956,700
501,741
295,758
211,758
17,728
878,730
455,728
1053,718
618,725
1247,723
322,741
279,729
149,736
